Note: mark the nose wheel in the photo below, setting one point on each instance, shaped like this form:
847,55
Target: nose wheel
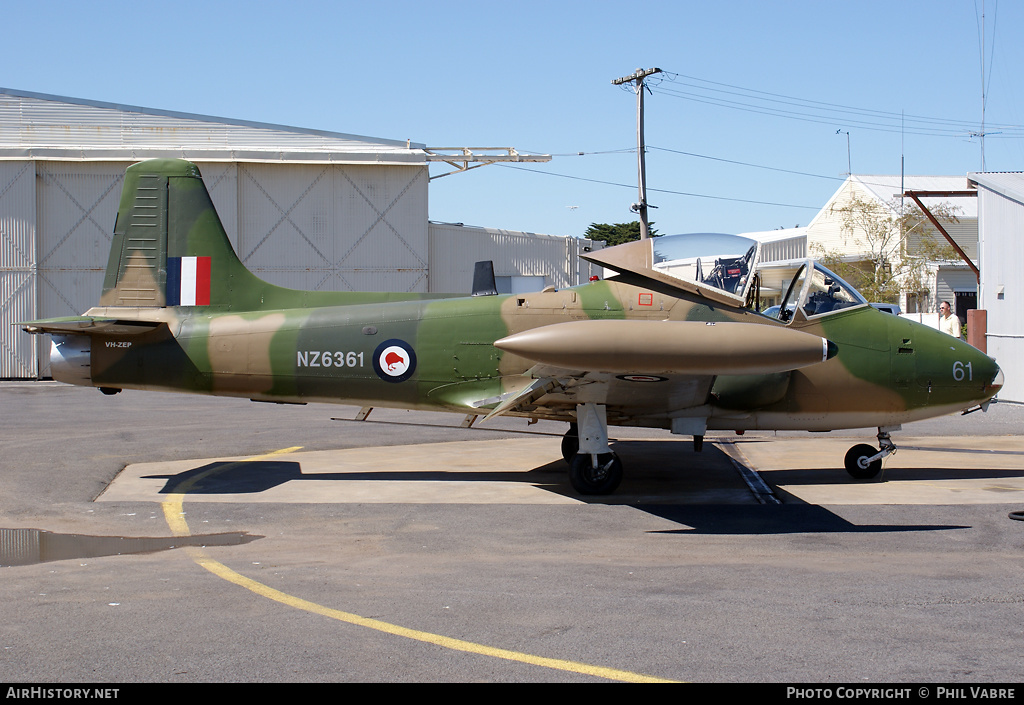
859,462
863,462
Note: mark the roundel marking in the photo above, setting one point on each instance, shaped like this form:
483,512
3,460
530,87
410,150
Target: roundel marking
642,378
394,360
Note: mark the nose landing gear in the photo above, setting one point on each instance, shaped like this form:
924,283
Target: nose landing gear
863,462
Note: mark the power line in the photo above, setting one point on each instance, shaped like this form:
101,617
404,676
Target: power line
659,190
755,166
778,105
723,160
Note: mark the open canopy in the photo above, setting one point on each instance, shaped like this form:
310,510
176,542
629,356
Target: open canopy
722,268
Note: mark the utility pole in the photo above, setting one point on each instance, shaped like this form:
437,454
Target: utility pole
638,77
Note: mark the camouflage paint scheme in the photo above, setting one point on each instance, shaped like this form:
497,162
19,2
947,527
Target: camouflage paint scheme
260,341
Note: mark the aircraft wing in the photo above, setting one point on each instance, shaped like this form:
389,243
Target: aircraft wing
557,388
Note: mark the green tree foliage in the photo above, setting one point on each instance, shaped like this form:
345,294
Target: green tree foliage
893,245
618,233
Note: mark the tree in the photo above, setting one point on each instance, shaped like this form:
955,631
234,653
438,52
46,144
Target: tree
618,233
895,243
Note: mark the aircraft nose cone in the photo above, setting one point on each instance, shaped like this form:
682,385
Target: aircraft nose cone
997,381
985,371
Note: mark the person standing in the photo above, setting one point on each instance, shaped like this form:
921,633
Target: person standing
948,322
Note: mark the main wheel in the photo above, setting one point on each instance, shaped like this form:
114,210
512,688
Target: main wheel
586,479
570,443
857,462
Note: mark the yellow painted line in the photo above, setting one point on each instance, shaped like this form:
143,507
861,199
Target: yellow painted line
173,508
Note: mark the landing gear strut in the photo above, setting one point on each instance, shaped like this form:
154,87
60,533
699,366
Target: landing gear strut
593,468
863,462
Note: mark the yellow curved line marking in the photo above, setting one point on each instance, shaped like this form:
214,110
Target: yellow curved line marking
173,508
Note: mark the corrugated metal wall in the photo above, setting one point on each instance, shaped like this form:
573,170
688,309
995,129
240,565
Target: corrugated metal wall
321,227
454,249
784,250
1002,290
76,204
340,228
17,266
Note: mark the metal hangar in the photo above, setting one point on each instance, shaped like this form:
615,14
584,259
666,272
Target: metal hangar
306,209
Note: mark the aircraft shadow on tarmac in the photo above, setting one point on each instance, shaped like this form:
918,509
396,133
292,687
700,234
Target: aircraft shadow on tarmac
251,477
799,518
656,471
668,480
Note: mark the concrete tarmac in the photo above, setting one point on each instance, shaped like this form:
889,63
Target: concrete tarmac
189,539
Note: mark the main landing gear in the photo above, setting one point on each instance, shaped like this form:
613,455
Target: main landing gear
863,462
593,467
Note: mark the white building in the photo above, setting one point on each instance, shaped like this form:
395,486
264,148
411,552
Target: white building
951,280
306,209
1001,254
782,253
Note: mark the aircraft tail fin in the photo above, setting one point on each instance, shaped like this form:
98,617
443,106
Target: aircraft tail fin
169,246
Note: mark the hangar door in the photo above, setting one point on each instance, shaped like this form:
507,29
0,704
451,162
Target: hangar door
17,266
334,227
320,227
55,232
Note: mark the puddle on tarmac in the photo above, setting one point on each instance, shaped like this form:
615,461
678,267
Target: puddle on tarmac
29,546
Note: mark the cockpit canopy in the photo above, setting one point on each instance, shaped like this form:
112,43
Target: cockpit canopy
816,291
724,269
722,261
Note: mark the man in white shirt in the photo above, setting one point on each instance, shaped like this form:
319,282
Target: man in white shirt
948,323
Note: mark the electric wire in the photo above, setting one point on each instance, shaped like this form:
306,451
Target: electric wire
778,105
659,190
865,179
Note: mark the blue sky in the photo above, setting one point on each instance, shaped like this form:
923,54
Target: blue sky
746,129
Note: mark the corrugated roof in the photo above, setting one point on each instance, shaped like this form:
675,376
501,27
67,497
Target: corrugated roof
40,126
1009,184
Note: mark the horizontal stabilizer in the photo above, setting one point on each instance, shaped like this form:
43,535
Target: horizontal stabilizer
669,347
89,325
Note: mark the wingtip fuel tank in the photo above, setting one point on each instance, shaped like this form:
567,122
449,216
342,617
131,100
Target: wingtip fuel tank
669,347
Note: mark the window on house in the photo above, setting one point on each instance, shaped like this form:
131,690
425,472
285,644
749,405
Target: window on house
918,302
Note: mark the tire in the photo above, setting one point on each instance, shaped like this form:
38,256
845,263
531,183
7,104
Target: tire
588,480
854,458
570,444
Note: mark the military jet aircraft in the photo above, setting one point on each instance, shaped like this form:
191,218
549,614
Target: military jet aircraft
672,341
